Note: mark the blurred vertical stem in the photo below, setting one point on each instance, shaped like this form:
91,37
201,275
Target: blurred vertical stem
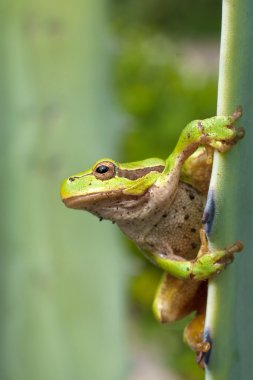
230,305
61,286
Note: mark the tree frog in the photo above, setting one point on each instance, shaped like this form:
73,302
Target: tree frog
159,205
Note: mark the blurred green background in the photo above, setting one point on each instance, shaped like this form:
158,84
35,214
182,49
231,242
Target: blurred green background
81,80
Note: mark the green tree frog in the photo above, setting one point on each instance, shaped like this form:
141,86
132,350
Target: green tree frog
159,205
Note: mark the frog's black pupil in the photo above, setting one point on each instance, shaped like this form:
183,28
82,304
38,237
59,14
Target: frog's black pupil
102,169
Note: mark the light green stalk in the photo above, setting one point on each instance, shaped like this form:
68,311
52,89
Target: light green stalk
230,300
61,274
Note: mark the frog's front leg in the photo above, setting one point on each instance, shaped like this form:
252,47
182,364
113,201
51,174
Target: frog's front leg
216,132
207,264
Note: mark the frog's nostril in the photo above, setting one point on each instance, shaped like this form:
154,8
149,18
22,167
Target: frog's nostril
71,179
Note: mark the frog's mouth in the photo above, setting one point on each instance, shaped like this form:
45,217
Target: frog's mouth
111,201
74,202
83,201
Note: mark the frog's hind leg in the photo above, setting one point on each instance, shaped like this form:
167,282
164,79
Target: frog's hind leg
197,169
194,333
176,298
194,336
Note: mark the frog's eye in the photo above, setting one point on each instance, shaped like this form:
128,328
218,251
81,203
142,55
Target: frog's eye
104,170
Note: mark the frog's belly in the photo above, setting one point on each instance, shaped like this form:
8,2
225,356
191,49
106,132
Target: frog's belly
178,228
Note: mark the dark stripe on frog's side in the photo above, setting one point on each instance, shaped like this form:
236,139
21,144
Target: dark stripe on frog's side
133,174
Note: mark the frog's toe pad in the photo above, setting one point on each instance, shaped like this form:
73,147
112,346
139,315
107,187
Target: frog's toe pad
203,356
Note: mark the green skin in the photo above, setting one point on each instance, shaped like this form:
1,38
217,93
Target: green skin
134,195
159,205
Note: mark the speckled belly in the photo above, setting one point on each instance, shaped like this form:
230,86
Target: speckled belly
179,225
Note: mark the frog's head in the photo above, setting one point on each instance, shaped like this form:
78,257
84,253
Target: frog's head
108,188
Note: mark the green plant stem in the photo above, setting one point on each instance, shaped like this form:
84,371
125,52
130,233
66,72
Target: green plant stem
230,302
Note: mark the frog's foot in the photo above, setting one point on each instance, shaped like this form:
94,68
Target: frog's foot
226,144
197,340
211,263
203,354
219,132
